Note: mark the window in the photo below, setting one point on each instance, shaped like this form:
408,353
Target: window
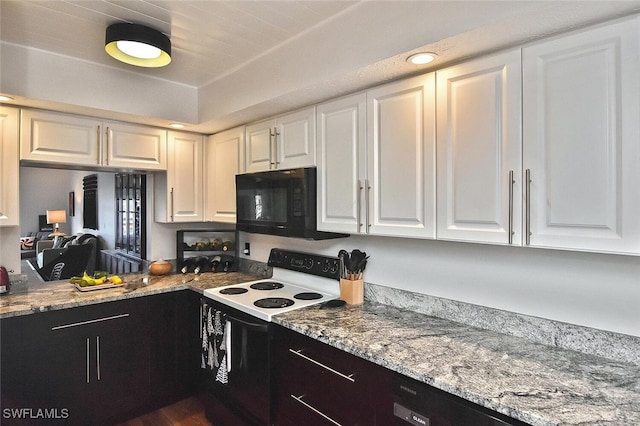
131,214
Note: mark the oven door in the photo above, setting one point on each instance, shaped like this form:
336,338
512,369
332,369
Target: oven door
246,342
249,376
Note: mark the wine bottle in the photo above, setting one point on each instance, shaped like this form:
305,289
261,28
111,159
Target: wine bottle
202,263
226,245
227,263
187,265
216,244
214,263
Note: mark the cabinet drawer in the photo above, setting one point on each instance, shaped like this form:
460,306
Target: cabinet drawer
321,385
99,318
301,409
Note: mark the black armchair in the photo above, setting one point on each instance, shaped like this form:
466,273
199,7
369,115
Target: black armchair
76,257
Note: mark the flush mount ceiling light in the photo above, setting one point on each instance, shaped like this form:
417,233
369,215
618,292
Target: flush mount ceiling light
422,58
138,45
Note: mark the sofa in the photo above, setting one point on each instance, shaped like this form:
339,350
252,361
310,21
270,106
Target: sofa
67,256
28,243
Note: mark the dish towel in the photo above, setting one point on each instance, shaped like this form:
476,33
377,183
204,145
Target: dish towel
215,335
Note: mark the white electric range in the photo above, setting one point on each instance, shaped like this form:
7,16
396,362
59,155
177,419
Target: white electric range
298,280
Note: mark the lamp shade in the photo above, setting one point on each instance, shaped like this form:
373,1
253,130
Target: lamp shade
56,216
138,45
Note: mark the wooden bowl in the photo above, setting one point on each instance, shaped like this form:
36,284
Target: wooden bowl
160,267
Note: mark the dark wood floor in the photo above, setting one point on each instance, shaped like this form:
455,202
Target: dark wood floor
188,412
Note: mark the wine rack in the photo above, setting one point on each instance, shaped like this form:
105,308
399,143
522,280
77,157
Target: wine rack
207,243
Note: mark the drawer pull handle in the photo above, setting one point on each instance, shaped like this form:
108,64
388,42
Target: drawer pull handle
344,376
315,410
76,324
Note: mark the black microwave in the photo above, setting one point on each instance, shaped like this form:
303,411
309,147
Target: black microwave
279,202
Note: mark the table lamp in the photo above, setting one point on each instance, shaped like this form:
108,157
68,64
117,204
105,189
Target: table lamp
56,217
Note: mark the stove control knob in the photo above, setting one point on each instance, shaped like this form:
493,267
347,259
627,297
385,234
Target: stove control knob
326,266
308,263
334,267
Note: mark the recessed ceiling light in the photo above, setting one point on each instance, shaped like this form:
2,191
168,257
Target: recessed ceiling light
422,58
138,45
5,98
177,125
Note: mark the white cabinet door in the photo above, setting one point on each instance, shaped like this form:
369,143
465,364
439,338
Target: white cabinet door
400,186
222,160
581,145
479,151
285,142
179,192
49,137
341,153
134,146
295,136
9,200
59,138
259,140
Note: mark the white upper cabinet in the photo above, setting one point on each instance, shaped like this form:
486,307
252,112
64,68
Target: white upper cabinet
179,193
376,157
341,153
60,138
259,147
134,146
479,150
282,143
399,190
49,137
9,199
295,140
581,140
222,162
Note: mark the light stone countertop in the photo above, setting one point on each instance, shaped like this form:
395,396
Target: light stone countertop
532,382
46,296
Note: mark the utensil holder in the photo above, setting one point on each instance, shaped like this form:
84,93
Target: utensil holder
352,291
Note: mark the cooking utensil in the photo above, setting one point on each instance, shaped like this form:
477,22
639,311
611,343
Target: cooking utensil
336,303
352,264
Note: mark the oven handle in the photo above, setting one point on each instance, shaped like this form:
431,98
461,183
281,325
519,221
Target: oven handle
227,343
254,325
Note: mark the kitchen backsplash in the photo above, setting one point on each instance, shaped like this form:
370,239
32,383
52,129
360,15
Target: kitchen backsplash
615,346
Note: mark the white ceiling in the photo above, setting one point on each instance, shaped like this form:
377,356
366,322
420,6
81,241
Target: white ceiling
209,38
224,47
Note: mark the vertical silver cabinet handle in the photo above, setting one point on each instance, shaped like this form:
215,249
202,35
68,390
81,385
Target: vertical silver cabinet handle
511,183
171,210
275,154
527,217
106,153
272,140
359,189
201,320
315,410
87,353
367,194
98,356
99,145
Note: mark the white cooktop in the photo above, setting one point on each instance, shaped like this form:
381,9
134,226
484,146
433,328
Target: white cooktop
328,289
